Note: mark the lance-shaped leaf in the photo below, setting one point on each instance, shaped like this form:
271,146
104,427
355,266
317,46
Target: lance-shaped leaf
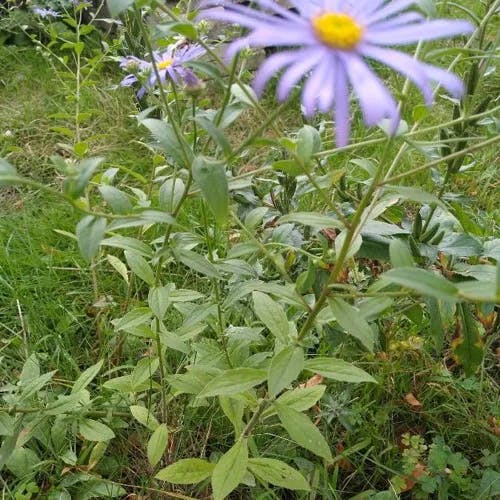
352,321
277,473
468,347
230,470
168,141
157,444
90,231
285,368
187,471
423,282
210,175
303,431
233,382
272,315
338,369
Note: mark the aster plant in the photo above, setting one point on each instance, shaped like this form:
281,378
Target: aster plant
170,64
328,43
45,12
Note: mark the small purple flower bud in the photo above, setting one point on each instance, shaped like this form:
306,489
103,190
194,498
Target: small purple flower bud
192,84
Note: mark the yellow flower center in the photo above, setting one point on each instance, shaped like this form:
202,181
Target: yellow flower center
337,30
165,64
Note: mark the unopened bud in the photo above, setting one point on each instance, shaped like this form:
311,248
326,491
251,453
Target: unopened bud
192,84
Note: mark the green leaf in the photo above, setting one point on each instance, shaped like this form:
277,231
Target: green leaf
461,245
233,409
285,368
479,291
118,266
277,473
127,243
157,444
290,167
230,470
181,295
354,245
159,300
490,485
144,372
168,141
9,444
135,317
351,320
233,382
468,347
272,315
242,93
423,282
415,194
210,175
145,218
6,424
299,399
75,186
96,488
32,386
86,377
22,461
116,7
436,322
97,454
121,384
216,133
64,404
144,417
308,143
197,263
31,369
303,431
400,254
184,29
171,192
90,232
186,471
92,430
312,219
116,199
140,267
337,369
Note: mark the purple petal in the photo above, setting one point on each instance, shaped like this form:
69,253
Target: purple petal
295,72
405,64
429,30
342,115
271,66
389,9
448,80
375,100
128,81
312,87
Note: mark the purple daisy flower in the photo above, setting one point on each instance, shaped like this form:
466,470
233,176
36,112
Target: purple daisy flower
135,67
170,64
43,13
327,42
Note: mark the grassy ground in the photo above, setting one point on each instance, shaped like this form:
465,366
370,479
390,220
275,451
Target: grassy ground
48,298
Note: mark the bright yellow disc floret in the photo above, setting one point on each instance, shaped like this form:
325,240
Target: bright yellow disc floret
165,64
337,30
